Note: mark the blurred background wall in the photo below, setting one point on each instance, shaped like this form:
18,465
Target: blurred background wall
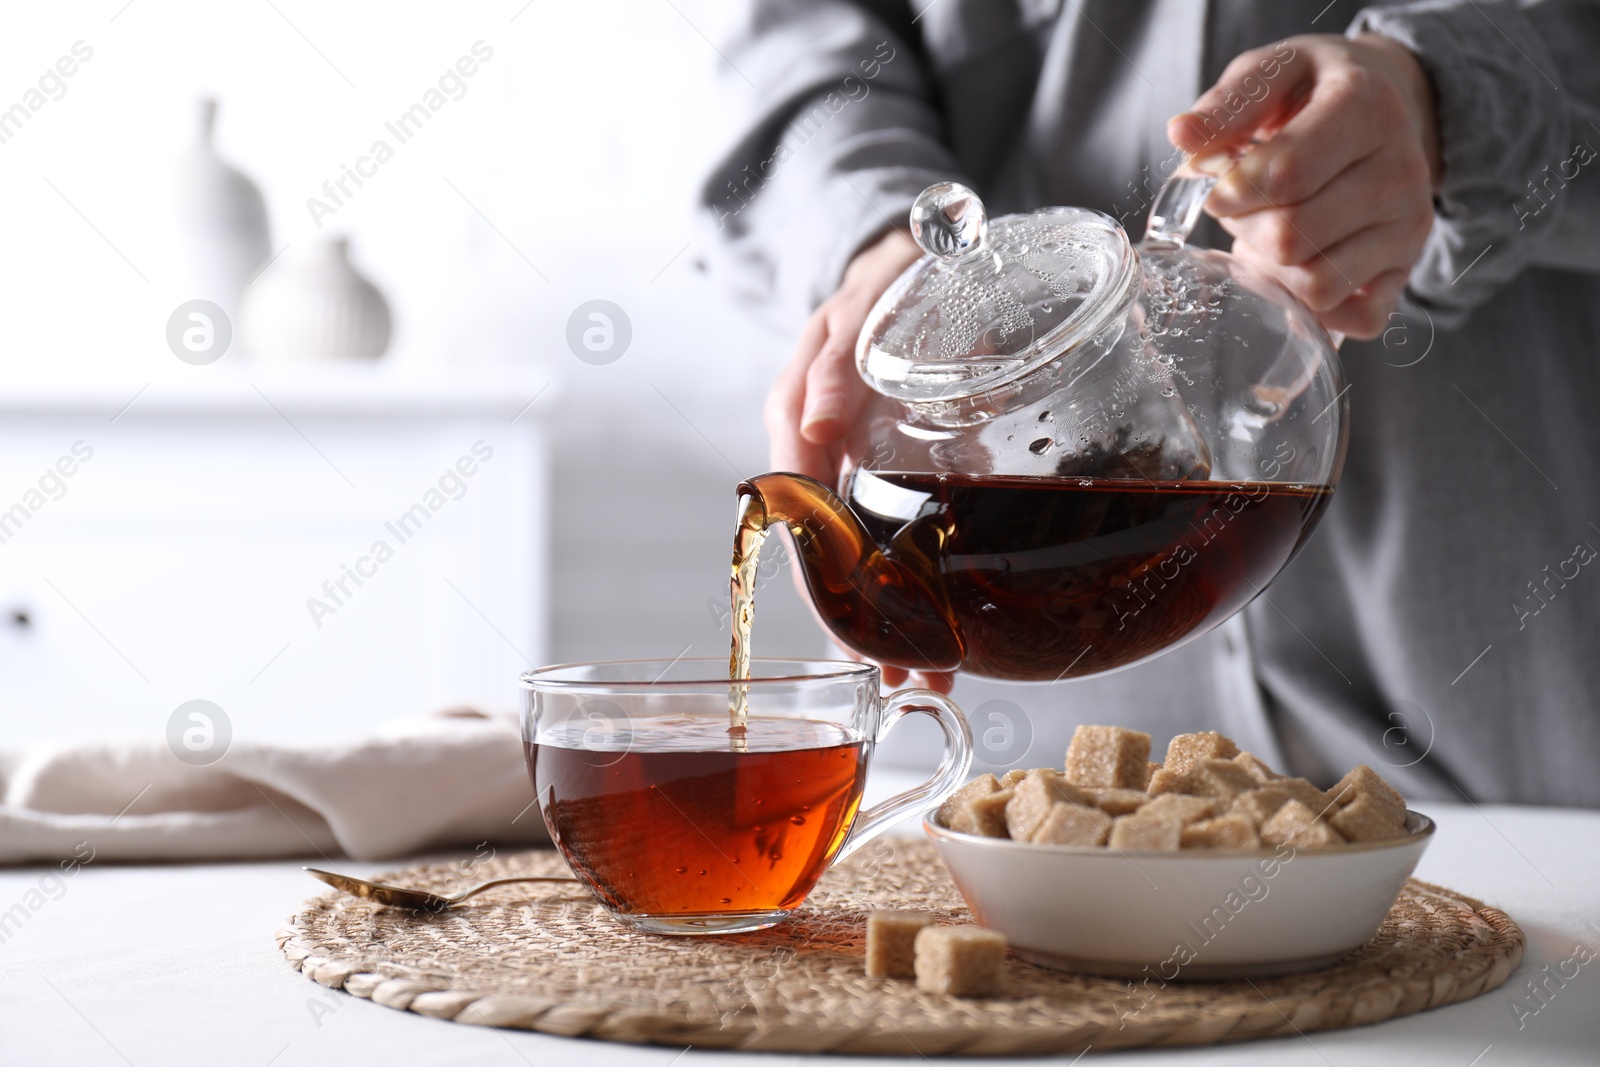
179,561
563,172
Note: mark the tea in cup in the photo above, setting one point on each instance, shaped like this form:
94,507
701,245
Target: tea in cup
681,824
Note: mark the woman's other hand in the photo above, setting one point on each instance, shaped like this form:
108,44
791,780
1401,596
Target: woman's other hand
1337,201
815,401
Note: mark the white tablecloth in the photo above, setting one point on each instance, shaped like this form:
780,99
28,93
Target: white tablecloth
176,965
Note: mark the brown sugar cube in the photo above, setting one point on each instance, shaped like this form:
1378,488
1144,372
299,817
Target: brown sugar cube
1058,786
1034,796
1107,757
1073,824
1256,767
1169,780
1220,778
956,812
1224,832
1013,776
1118,801
1149,772
1186,750
1367,818
891,942
1306,793
1296,824
988,814
1364,781
1184,809
1030,803
963,961
1141,833
1259,805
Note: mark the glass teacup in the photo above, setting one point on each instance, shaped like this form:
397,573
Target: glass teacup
680,826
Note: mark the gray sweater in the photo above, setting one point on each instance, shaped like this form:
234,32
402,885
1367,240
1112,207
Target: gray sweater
1443,623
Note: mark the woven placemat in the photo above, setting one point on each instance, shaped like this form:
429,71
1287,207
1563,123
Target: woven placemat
548,958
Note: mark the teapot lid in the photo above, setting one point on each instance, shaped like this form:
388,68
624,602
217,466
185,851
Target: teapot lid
992,300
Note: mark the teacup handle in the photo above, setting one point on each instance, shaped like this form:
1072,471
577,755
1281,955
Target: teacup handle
947,779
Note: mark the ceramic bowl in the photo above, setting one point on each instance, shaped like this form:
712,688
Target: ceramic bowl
1176,916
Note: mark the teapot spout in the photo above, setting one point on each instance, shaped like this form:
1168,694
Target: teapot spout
889,606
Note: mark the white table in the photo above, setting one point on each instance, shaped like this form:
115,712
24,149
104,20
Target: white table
176,965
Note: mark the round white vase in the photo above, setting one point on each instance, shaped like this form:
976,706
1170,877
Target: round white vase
313,305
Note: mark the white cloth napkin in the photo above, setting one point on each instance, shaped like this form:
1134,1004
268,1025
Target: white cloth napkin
454,779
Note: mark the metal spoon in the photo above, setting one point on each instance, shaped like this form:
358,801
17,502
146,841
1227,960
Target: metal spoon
419,899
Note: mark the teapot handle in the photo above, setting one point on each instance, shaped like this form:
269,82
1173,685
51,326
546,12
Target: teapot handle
1177,205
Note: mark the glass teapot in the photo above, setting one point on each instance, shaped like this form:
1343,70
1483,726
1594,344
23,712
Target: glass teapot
1080,452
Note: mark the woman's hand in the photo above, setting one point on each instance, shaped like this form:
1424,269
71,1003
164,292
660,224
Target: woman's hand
815,401
1338,201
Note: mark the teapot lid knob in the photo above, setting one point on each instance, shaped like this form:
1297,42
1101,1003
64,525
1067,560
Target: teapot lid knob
948,220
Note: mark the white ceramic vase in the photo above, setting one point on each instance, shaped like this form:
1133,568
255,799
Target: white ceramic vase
222,231
312,305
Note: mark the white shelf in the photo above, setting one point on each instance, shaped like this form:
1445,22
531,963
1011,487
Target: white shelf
181,556
351,389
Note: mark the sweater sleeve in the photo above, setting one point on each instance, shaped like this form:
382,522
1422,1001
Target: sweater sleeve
844,133
1518,106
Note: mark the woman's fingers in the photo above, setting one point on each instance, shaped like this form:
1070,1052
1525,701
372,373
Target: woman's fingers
1348,117
834,389
1333,276
1366,314
1257,91
799,456
819,395
789,449
938,681
893,677
1366,193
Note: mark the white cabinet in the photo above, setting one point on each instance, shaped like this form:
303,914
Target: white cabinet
314,554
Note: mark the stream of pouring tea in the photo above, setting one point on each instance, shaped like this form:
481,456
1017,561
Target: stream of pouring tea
747,540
